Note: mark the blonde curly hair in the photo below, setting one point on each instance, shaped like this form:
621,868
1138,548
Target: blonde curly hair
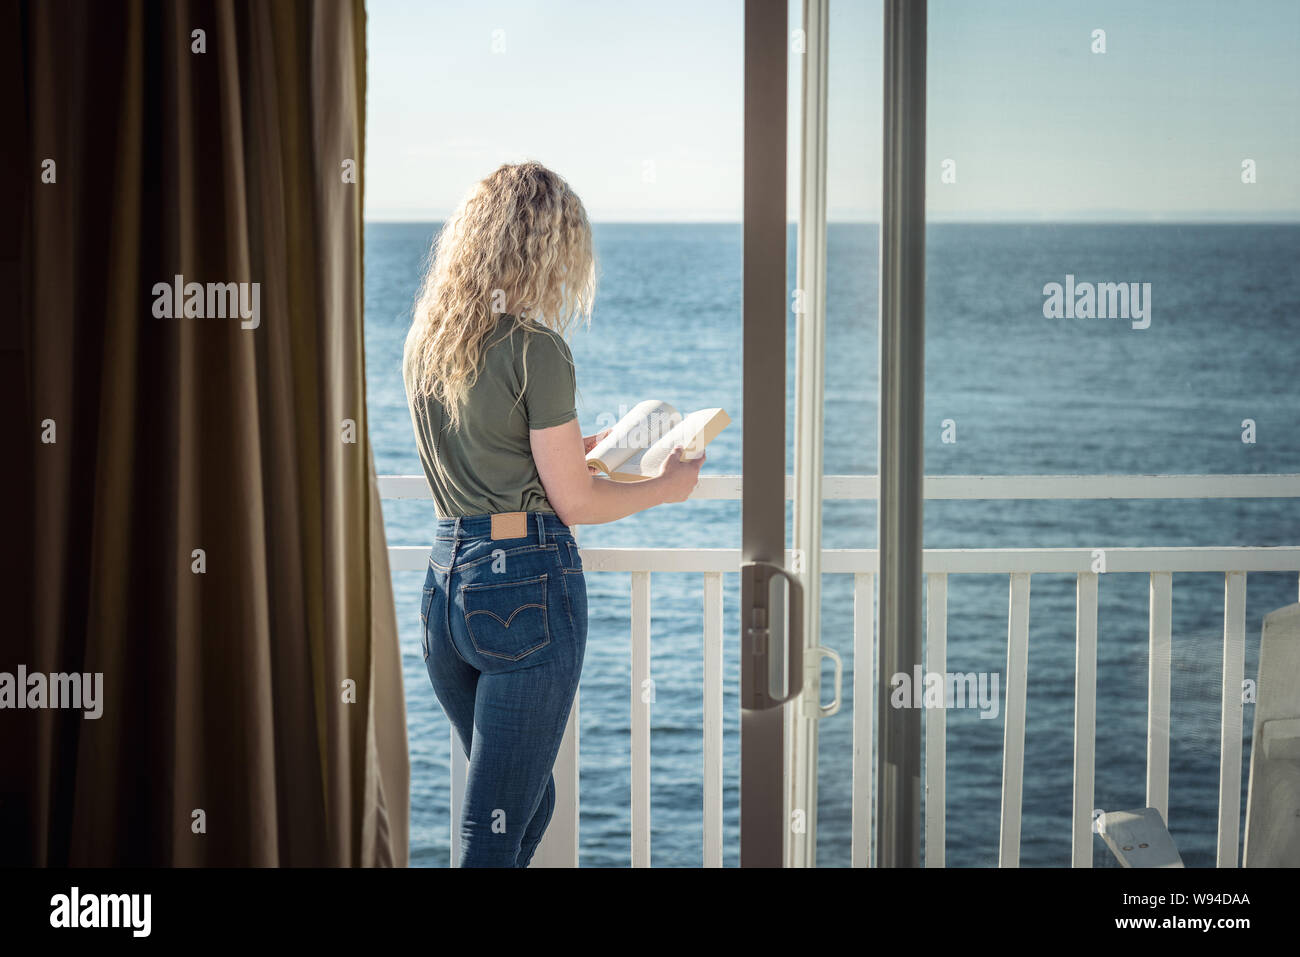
519,244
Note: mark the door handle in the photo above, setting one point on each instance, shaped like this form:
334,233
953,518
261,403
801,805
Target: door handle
755,578
826,710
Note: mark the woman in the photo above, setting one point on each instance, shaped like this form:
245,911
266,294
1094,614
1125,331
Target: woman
491,386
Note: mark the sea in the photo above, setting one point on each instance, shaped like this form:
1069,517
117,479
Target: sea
1211,385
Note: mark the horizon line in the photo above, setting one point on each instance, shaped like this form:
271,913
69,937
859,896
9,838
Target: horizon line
1225,221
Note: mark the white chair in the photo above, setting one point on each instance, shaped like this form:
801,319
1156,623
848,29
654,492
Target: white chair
1139,838
1273,796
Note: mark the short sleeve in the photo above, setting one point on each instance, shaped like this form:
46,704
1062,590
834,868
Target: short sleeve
550,386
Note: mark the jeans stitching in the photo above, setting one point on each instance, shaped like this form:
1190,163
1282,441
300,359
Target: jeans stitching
426,603
447,606
454,649
546,795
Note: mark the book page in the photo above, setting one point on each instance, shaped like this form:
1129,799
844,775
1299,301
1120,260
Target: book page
692,433
634,433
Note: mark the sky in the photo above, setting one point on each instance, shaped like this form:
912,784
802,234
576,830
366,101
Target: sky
639,107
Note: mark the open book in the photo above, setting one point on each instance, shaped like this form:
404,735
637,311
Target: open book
637,446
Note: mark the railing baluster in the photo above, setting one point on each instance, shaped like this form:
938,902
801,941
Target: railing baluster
864,709
559,847
642,693
936,663
1234,667
1085,717
1013,737
1159,655
713,719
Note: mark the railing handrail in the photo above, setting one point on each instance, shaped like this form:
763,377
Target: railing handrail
983,487
943,561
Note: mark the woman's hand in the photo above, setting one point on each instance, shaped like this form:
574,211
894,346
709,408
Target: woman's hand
589,442
678,478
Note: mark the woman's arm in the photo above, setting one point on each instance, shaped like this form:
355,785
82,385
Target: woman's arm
580,498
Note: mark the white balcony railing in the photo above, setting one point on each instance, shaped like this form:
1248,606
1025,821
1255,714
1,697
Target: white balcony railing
560,848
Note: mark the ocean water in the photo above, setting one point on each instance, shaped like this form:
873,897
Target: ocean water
1028,395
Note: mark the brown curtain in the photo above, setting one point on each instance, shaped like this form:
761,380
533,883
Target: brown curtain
253,711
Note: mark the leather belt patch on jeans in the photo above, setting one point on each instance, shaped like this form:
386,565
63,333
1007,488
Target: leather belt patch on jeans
509,524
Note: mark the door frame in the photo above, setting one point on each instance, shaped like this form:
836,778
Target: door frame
763,818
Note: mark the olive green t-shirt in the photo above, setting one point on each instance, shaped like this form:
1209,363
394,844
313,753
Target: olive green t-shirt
486,464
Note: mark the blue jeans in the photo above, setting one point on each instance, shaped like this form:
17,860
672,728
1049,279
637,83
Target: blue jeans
505,632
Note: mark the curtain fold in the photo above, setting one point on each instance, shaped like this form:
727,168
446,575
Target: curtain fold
206,524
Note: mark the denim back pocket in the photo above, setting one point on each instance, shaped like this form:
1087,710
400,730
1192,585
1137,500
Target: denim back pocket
507,620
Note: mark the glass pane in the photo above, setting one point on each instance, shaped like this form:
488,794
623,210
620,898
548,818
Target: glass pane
643,116
852,300
1111,290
